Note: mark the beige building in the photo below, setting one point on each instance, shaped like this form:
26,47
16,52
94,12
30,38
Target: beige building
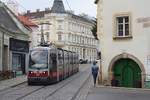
67,30
123,29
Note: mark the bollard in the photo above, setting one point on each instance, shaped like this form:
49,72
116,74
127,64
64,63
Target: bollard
14,74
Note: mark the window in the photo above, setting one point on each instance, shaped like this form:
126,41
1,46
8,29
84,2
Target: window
60,27
69,38
69,26
47,27
47,36
38,59
75,38
39,37
122,26
59,37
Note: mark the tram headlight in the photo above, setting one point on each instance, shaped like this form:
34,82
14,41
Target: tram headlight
31,72
45,73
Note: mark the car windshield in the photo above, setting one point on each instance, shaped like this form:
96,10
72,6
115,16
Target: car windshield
39,59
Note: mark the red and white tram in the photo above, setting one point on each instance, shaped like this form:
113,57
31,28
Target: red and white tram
50,65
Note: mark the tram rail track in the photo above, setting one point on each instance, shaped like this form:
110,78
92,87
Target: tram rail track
65,83
86,81
76,93
27,91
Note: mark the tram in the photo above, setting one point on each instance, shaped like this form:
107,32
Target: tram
49,65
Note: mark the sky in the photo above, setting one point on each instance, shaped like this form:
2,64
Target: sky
78,6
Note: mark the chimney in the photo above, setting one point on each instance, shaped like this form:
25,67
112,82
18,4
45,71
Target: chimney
28,11
37,10
47,9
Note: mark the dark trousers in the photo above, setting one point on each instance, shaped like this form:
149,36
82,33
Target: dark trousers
94,77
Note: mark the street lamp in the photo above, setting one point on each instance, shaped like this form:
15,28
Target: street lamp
43,43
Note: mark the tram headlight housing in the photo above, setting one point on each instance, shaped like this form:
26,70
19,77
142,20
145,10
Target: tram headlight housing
31,72
45,73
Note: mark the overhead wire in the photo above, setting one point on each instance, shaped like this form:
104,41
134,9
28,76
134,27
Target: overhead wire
68,5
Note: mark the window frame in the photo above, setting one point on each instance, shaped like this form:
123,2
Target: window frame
59,37
116,24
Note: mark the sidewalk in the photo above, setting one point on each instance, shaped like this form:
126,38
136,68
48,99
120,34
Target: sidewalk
117,93
12,82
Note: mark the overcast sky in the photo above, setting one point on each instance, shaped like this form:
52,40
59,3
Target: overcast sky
78,6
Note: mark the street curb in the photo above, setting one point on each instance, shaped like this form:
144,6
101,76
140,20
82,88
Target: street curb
123,88
17,84
13,86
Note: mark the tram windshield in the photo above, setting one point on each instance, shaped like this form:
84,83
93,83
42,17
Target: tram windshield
39,59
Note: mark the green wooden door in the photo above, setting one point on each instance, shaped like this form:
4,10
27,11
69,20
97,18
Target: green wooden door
127,77
127,72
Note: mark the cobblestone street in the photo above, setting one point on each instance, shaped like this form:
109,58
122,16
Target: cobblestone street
78,87
65,90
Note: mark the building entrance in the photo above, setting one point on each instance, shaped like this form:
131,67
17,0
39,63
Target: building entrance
128,73
18,63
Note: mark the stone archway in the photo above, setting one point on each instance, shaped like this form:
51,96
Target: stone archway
127,56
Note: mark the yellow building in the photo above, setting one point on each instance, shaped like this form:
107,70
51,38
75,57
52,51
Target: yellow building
67,30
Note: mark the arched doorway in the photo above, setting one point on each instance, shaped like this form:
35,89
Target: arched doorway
127,72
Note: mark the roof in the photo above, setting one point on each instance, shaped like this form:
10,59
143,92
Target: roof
10,22
6,21
38,14
96,1
26,21
82,18
58,7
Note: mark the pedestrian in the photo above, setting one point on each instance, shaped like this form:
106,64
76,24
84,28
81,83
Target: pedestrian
95,70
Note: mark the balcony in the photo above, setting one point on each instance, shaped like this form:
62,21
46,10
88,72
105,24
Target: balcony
60,43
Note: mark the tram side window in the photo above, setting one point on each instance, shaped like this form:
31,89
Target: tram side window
53,60
66,58
60,58
31,62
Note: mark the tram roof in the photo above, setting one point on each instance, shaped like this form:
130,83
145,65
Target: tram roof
41,48
48,48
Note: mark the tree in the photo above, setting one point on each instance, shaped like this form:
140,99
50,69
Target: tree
94,29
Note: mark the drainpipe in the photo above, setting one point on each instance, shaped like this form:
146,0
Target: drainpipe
2,51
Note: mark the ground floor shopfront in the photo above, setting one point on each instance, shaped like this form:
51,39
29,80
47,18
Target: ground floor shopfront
19,50
14,58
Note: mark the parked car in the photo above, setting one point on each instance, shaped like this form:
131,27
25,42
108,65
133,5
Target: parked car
82,61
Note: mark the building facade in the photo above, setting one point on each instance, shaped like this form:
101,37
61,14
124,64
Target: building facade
123,29
67,30
14,42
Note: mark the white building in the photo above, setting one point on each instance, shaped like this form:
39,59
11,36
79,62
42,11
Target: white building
67,30
14,42
13,5
123,29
